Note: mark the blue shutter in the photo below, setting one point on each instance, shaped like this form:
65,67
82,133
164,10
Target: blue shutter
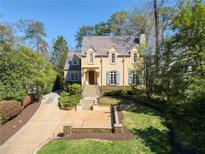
118,77
79,76
69,76
130,77
108,78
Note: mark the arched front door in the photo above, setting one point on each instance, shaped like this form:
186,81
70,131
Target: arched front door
91,77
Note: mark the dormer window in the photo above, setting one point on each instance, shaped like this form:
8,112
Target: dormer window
74,62
113,60
135,58
91,58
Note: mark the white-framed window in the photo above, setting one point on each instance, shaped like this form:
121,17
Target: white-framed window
135,78
113,78
91,58
113,58
135,58
74,76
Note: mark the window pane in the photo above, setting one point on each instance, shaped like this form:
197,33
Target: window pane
91,58
113,77
113,58
135,57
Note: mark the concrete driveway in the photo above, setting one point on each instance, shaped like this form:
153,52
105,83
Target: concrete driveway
48,122
38,130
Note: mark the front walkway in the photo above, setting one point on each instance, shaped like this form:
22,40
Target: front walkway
47,122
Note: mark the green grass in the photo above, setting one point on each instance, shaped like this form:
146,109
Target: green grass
150,136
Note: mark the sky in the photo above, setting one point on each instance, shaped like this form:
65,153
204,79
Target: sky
63,17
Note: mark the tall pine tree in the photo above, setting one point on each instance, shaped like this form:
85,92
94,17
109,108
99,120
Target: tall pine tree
59,54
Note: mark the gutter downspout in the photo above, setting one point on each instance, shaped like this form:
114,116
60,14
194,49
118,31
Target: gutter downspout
123,61
101,75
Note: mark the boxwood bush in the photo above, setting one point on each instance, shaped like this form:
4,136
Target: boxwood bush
116,92
8,110
74,89
67,101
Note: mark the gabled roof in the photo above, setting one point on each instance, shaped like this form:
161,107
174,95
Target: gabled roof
70,56
102,44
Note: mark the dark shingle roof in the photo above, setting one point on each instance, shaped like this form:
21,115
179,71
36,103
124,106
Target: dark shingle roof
70,56
102,44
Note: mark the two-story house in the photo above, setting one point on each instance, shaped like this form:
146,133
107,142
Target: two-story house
106,61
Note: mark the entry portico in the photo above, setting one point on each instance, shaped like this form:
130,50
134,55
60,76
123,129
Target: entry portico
90,75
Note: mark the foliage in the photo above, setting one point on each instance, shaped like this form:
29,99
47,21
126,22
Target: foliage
150,136
84,31
26,101
116,92
21,70
118,23
102,28
183,73
67,100
74,89
34,34
59,53
8,110
6,33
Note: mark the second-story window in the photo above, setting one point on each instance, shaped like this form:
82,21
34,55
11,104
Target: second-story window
113,58
74,62
91,58
135,57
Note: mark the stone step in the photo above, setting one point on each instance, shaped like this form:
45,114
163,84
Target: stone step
91,91
87,107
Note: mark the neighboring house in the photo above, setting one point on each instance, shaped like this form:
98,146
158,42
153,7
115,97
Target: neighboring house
72,69
108,61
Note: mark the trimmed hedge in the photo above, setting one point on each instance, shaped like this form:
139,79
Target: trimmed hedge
117,91
26,101
67,101
8,110
74,89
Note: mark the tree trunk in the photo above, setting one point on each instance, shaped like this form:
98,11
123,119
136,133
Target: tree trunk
157,41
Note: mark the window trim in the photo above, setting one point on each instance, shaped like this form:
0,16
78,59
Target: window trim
75,61
136,58
74,76
89,60
113,77
113,57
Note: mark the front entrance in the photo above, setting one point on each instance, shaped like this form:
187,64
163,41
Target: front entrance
91,77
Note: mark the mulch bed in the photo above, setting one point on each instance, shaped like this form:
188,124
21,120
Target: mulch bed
12,126
104,136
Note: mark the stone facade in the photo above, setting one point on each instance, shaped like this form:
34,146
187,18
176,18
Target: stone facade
110,61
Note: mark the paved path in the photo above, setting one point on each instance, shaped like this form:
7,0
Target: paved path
47,122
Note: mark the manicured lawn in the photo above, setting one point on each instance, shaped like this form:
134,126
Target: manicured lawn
150,136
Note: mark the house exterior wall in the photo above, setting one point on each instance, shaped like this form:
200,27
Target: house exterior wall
107,66
74,68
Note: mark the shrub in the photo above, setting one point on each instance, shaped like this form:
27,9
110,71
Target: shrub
74,89
8,110
117,92
67,101
21,68
26,100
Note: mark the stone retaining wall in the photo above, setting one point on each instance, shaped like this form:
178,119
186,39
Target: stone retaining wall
117,127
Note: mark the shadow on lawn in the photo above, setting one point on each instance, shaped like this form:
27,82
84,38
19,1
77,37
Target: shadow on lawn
128,104
153,138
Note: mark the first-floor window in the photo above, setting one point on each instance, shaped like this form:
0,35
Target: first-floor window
74,76
135,78
113,78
